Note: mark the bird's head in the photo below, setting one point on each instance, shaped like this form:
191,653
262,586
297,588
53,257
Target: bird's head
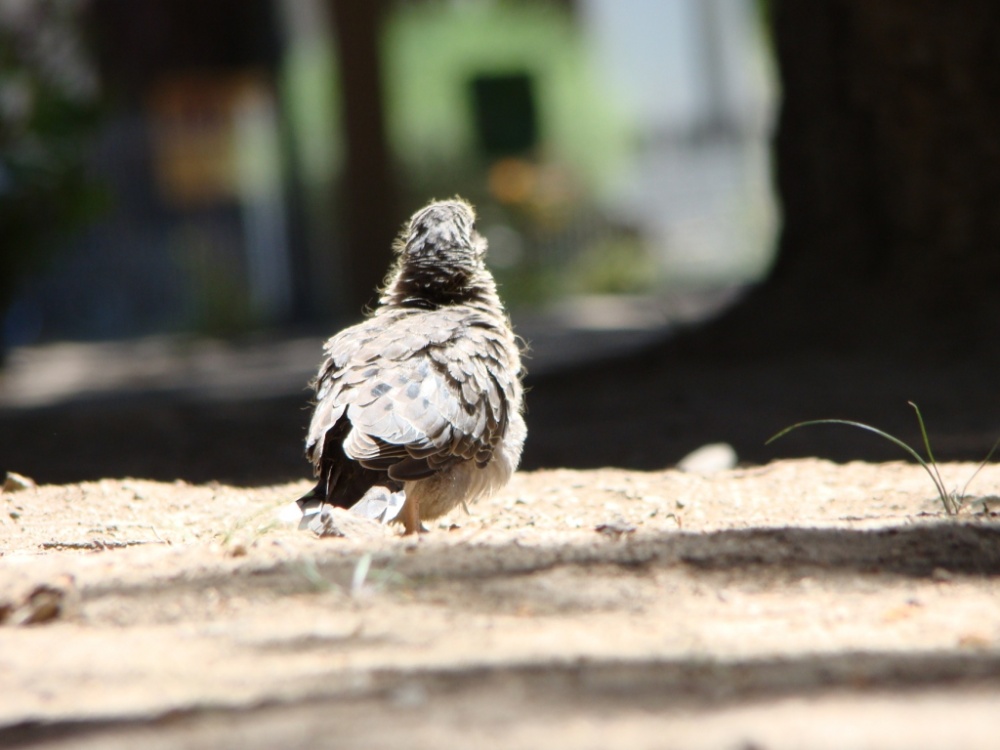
440,257
442,233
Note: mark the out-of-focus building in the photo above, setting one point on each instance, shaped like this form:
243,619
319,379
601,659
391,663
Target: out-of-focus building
694,80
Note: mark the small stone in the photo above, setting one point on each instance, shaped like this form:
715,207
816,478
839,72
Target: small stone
615,529
16,482
709,459
990,504
45,603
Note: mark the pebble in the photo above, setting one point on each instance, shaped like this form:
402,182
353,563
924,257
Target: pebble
16,482
709,459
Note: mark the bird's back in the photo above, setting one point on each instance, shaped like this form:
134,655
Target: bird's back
410,393
420,405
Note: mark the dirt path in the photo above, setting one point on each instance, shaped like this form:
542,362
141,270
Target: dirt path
796,604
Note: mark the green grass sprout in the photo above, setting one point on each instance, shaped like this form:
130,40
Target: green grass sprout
952,501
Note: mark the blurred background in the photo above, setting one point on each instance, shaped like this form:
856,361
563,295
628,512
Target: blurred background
210,163
194,194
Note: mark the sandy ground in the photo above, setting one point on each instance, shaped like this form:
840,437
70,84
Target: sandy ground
796,604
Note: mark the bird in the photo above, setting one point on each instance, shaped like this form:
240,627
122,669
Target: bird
419,408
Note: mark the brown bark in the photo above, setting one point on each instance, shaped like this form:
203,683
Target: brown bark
888,170
368,196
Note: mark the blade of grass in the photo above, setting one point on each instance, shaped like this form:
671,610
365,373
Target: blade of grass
360,574
849,423
933,463
980,467
938,483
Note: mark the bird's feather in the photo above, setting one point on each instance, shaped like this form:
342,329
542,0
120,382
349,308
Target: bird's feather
428,382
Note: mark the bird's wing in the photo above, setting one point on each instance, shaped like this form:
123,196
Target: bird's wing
421,391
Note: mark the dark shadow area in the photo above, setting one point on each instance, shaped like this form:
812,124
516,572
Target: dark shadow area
645,411
242,442
912,551
550,689
648,411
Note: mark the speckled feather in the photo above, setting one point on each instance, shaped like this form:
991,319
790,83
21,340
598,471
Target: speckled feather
425,395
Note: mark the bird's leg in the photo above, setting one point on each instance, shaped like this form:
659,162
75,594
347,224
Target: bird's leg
410,516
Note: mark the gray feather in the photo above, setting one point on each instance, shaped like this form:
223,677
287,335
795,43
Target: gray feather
426,384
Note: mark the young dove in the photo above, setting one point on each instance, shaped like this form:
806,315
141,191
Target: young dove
419,408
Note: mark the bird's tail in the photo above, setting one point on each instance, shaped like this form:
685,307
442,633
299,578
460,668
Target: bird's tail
311,504
378,503
316,494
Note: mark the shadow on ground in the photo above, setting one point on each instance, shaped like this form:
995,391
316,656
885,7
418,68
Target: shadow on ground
555,691
602,688
633,413
642,411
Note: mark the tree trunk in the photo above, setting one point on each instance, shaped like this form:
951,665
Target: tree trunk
369,204
888,170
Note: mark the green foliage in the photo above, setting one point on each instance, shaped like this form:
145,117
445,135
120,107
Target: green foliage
953,500
617,264
434,50
528,286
